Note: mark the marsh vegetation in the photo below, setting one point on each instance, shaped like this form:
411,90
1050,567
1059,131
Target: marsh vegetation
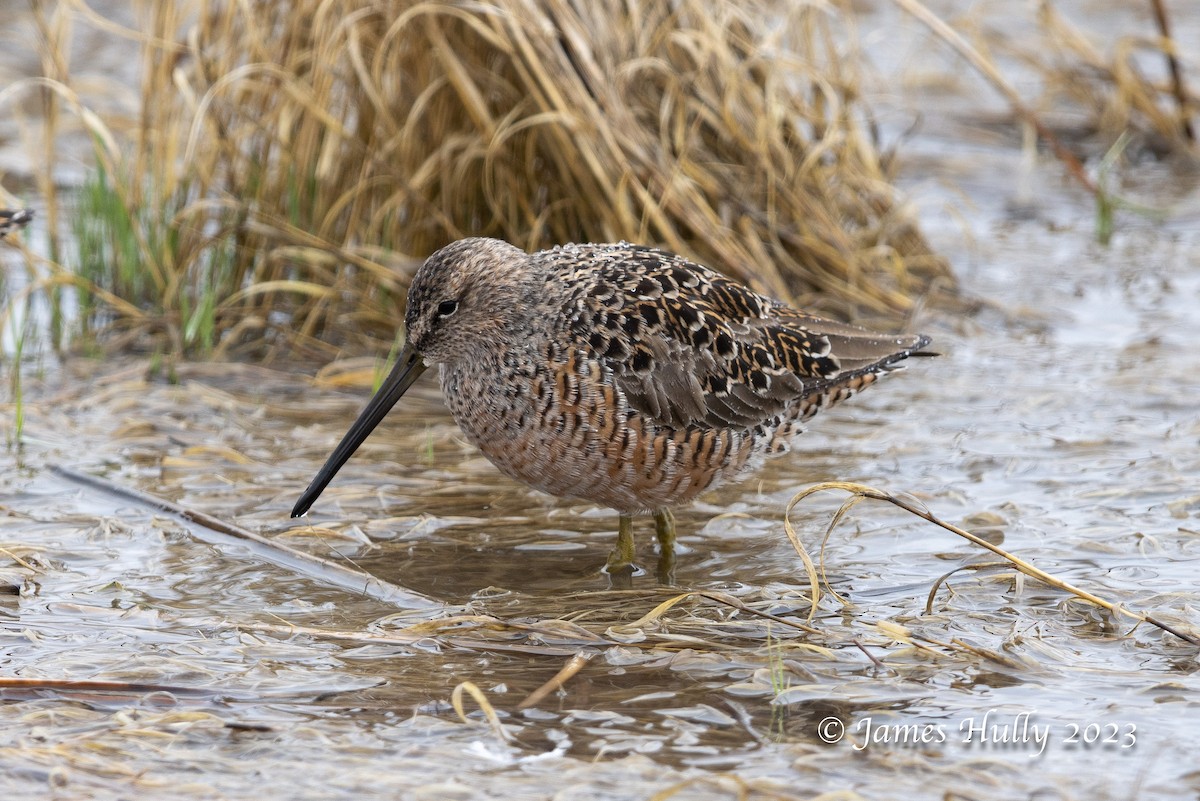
231,198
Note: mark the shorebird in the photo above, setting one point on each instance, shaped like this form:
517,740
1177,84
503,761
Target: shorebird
619,374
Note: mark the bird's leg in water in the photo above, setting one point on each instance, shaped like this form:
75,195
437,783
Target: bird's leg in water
620,561
664,529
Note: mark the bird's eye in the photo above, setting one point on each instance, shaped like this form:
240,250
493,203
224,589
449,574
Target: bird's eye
447,308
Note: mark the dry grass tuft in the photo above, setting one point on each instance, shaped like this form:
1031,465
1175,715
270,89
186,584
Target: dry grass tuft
1113,96
1133,85
292,161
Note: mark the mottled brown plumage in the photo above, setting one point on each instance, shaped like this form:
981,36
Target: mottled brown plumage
620,374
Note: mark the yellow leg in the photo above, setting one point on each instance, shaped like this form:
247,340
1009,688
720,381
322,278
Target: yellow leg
620,561
664,529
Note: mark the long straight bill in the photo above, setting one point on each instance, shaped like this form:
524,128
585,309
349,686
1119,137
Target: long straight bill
408,367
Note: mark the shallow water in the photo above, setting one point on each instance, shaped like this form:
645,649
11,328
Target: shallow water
1060,422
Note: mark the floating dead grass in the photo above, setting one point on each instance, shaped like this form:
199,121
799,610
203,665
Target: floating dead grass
860,492
772,627
706,629
335,573
291,163
667,618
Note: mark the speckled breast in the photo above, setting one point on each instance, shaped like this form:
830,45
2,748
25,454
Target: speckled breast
549,415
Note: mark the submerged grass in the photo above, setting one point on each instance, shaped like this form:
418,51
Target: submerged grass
290,163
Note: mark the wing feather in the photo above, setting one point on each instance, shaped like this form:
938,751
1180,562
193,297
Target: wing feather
689,346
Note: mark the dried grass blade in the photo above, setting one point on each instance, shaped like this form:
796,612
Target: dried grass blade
489,711
651,616
814,583
94,687
989,71
352,580
1178,87
729,600
937,584
870,492
573,666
